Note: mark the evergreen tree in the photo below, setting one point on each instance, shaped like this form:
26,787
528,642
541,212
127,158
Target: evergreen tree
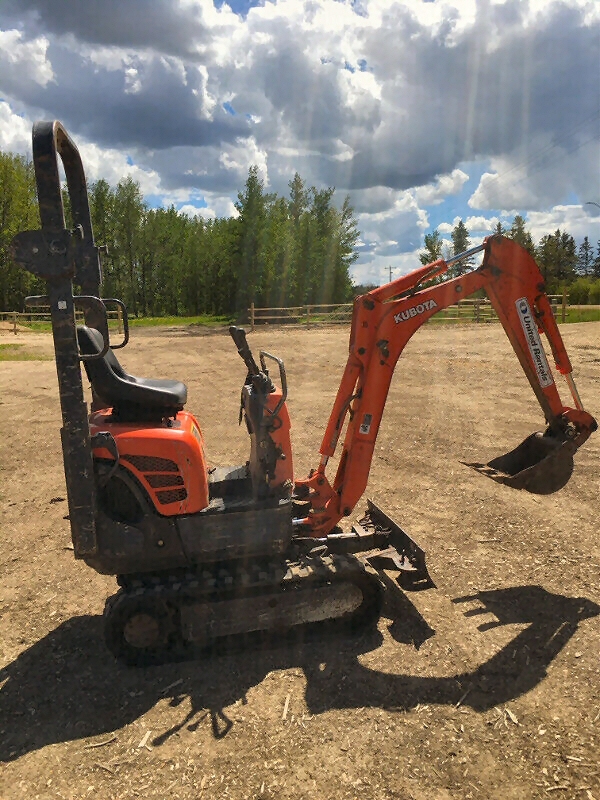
521,235
277,284
102,212
596,265
251,206
129,213
323,221
298,204
299,198
347,237
433,248
557,259
460,243
585,257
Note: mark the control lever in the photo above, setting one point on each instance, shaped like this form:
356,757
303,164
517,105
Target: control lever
239,337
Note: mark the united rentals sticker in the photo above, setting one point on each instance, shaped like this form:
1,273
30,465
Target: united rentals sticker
534,342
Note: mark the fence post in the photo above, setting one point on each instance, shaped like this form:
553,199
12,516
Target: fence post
252,316
307,317
477,307
119,321
15,323
564,306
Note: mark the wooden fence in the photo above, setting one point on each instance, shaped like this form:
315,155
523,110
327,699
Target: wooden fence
324,313
469,310
16,322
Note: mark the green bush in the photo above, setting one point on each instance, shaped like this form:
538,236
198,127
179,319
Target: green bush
579,291
594,293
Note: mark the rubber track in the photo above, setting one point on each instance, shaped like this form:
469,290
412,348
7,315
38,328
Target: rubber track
212,584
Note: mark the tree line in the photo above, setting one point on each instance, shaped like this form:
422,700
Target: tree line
278,251
563,265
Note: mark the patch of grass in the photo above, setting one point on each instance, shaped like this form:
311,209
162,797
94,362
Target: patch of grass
40,326
581,315
203,321
13,352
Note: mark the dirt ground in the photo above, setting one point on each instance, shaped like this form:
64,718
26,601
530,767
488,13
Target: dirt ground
487,686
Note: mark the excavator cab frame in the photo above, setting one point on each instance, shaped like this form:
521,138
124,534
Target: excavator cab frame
63,257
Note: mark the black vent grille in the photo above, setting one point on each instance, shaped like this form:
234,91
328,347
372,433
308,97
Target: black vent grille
160,481
171,496
152,464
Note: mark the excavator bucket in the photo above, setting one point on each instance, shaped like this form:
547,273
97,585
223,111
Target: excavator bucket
541,464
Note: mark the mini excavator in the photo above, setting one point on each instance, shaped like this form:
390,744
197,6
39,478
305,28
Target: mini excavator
203,555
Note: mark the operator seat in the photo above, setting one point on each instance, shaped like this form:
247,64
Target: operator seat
132,399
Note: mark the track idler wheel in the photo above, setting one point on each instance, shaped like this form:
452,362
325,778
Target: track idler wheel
139,630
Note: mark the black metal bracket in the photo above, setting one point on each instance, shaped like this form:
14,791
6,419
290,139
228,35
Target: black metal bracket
124,316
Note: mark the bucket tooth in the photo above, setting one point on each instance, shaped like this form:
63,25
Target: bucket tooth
541,464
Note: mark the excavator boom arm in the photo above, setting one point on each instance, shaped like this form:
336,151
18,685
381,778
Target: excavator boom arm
382,325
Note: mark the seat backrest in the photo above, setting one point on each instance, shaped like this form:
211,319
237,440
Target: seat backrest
91,342
130,397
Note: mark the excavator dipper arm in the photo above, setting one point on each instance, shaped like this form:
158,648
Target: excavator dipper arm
382,325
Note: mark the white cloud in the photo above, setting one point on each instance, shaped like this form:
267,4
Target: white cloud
482,225
507,188
22,60
446,227
98,162
552,166
399,226
387,236
446,185
113,165
377,269
577,220
241,155
194,211
15,131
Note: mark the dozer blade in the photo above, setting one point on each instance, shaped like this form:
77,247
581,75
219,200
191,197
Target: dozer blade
402,553
541,464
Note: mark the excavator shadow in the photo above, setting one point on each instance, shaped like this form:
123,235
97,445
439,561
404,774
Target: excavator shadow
67,687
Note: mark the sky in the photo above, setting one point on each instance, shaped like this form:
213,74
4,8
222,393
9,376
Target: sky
424,112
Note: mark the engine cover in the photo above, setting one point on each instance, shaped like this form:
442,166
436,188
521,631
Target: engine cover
166,458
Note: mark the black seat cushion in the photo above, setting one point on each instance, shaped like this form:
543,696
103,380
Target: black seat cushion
125,393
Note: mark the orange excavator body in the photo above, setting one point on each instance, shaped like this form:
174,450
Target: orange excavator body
204,554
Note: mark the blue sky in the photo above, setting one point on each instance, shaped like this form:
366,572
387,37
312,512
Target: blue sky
423,112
